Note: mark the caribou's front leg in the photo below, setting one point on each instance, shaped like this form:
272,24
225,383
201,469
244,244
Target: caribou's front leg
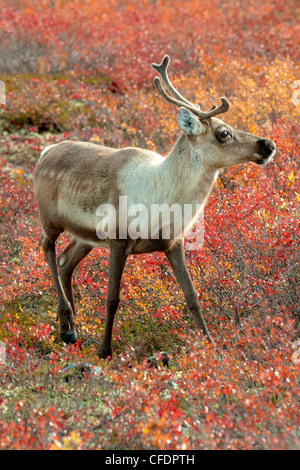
117,261
176,258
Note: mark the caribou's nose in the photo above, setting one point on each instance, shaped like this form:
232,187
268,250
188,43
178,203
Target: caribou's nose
266,147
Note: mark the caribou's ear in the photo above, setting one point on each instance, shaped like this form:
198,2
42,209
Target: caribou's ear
189,123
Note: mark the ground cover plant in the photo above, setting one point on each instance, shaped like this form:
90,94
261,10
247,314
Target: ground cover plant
81,70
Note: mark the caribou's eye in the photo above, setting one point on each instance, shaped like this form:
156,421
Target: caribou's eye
224,135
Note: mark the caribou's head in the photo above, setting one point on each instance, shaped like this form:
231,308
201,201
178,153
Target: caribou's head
218,144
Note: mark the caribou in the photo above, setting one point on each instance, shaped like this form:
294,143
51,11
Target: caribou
74,179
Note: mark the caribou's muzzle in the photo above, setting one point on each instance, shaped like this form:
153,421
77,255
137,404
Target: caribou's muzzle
266,150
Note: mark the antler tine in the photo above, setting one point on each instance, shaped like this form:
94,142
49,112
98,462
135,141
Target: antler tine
214,111
162,69
213,107
170,99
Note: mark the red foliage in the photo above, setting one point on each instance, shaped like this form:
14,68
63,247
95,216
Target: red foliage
81,70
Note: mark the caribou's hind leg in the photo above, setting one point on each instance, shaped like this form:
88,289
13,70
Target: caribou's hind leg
67,262
64,310
117,260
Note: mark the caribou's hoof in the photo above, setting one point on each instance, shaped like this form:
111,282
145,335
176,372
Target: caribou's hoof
104,352
69,338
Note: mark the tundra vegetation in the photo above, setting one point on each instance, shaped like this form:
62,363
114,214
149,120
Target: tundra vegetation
81,72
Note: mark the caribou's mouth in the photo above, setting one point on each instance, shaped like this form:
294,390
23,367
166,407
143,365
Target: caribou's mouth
260,160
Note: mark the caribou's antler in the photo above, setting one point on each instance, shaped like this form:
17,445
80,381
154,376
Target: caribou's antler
162,69
177,98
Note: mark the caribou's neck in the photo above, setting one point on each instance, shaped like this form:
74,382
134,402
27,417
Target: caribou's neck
186,171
